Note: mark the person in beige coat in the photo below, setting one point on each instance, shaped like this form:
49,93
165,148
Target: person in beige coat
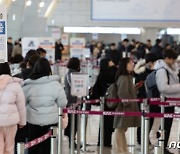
125,90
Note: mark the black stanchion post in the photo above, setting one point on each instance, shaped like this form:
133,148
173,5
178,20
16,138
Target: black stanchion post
146,134
60,128
79,131
54,140
20,148
102,126
142,127
162,131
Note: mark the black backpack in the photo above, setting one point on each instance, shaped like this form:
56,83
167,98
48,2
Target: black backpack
151,85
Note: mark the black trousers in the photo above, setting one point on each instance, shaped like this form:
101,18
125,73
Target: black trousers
108,128
67,131
36,131
167,123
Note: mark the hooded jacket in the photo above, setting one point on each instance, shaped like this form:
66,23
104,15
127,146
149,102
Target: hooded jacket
171,90
43,97
12,102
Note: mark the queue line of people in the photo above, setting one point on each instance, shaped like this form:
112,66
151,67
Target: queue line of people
29,108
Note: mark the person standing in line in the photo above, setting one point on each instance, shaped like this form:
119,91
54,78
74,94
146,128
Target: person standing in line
12,109
9,47
123,46
142,69
105,78
149,44
113,54
157,49
17,48
44,95
73,67
125,90
42,52
58,50
168,85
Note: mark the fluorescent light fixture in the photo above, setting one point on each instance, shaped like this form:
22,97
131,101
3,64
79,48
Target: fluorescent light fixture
14,17
52,21
173,31
103,30
41,4
28,2
51,8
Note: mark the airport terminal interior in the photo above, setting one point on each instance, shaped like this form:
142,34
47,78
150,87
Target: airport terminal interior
89,77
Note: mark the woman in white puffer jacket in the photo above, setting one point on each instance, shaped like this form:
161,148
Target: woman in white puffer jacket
12,109
44,95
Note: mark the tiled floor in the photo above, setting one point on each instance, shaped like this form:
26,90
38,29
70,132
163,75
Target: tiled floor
92,136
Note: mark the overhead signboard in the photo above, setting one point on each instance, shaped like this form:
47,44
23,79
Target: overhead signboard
136,10
3,34
77,47
46,43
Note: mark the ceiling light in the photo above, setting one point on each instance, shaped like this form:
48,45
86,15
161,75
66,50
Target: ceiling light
13,0
102,30
53,21
28,2
41,4
14,17
173,31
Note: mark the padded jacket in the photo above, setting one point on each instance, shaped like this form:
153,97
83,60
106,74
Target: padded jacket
12,102
43,97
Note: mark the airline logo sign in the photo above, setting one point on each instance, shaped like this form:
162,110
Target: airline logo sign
3,34
2,27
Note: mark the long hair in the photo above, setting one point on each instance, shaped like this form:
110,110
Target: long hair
104,64
41,68
5,69
122,69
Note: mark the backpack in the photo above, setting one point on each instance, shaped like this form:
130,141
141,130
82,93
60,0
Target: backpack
151,85
111,93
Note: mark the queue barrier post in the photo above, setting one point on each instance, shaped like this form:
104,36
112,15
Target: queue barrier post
79,131
157,150
102,101
84,128
20,148
72,133
142,127
54,140
146,132
60,130
162,131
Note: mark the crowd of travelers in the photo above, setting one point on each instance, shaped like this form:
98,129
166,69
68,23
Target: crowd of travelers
30,94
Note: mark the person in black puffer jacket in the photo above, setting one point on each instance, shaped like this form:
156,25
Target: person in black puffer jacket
104,79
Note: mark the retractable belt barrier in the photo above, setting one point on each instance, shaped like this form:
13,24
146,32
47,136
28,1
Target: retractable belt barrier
38,140
113,113
144,114
151,101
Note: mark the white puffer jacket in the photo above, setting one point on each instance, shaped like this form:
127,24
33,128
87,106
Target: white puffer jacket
12,102
43,97
171,90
